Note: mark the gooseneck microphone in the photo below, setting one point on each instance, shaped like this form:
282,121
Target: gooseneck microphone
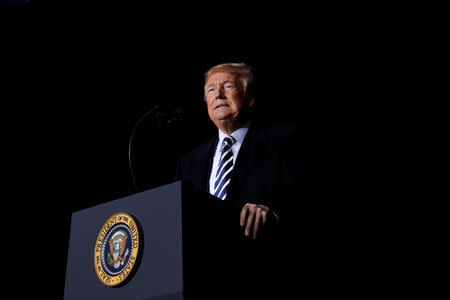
159,118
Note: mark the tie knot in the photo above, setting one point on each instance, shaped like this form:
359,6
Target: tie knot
229,140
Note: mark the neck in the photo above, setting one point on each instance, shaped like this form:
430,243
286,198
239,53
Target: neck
230,127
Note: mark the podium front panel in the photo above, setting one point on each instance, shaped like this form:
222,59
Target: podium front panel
160,272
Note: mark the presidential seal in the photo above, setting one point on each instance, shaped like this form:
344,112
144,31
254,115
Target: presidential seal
116,252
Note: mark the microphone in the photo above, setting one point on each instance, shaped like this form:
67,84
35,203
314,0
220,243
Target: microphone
160,119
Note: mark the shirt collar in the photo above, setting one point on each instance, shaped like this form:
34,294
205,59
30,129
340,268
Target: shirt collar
238,135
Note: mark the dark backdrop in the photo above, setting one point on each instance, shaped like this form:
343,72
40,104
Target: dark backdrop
78,78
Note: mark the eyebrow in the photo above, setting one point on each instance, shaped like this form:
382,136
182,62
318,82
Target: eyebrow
214,83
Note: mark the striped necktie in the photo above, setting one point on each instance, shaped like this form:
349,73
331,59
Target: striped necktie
223,175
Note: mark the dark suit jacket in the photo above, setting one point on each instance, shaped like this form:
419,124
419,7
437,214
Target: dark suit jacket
270,169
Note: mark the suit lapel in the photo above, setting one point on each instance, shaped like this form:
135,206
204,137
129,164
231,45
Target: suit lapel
249,153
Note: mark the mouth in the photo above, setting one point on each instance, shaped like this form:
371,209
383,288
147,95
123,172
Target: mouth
220,105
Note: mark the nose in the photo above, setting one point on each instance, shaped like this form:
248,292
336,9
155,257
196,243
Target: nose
219,93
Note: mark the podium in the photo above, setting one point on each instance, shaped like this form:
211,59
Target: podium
187,246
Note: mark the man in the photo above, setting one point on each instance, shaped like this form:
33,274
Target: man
257,168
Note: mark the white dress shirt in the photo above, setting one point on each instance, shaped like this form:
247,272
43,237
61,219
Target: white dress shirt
239,136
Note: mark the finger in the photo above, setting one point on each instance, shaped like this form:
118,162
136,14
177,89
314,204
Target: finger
256,225
249,223
264,216
244,212
264,212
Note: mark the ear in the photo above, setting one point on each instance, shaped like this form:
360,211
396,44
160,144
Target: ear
251,104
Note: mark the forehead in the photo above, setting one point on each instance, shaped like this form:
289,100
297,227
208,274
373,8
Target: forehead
218,77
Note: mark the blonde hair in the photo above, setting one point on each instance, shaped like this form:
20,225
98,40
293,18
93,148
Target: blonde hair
242,70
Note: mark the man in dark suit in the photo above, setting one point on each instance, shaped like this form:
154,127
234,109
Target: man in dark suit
262,167
262,171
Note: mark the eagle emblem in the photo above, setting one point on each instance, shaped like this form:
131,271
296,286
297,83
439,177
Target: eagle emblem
117,245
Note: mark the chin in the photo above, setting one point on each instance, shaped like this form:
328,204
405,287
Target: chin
223,115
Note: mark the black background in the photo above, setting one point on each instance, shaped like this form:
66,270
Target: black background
79,76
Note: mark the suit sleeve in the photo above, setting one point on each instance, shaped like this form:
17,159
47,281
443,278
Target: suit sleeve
278,180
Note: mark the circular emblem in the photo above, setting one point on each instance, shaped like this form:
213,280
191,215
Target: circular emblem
117,249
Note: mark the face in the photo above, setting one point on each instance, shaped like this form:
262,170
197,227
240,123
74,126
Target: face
225,98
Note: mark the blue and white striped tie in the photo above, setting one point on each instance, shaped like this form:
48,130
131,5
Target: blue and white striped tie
223,175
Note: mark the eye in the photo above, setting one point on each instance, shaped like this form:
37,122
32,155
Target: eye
210,90
228,86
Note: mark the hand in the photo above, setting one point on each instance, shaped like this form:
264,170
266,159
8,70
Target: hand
254,216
